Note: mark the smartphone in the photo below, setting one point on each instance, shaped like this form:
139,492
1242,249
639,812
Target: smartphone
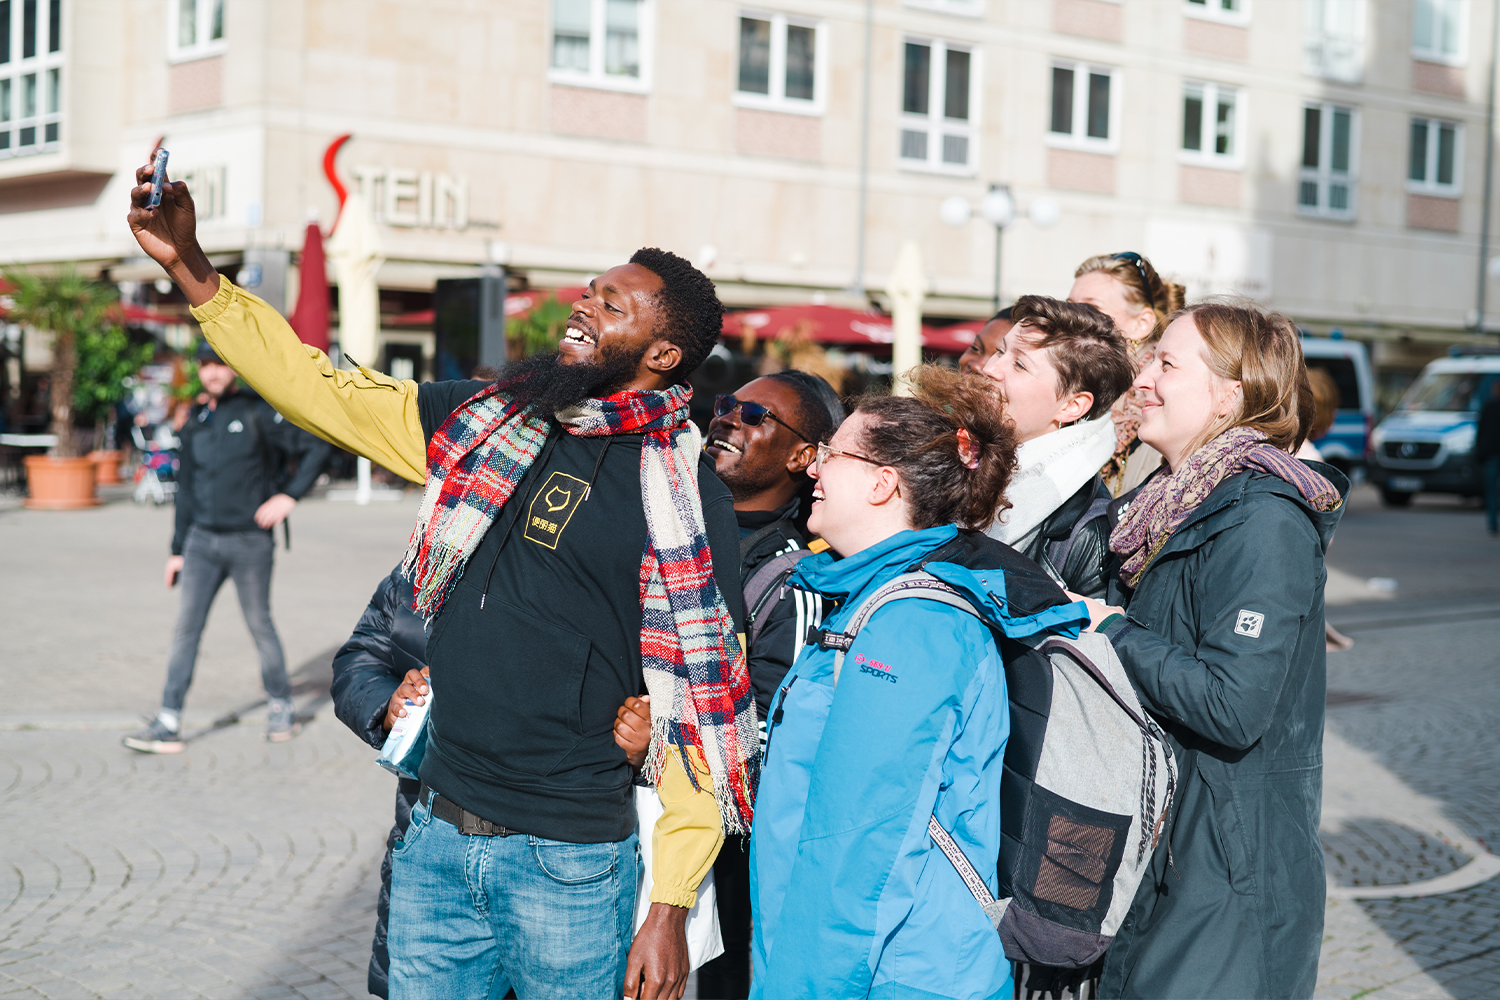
158,178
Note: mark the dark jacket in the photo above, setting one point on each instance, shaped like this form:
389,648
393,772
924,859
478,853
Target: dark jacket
1224,642
388,641
1074,554
539,641
1487,434
234,458
786,618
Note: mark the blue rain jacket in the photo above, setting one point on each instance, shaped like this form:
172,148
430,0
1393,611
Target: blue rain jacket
852,898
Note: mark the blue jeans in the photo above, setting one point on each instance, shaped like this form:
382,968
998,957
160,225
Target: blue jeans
208,559
473,916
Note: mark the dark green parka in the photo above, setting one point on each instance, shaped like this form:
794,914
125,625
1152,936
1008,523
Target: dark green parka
1224,642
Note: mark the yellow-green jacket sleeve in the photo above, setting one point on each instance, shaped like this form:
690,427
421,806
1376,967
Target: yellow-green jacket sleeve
688,835
362,411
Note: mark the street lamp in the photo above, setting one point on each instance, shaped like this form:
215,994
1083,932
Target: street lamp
998,208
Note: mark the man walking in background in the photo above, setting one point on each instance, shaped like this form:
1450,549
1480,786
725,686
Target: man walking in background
1487,453
235,449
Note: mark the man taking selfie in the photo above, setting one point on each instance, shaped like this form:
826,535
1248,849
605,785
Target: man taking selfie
571,549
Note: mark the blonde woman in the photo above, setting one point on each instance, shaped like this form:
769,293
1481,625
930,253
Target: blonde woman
1127,289
1223,638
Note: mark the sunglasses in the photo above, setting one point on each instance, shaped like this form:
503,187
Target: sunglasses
751,414
1140,267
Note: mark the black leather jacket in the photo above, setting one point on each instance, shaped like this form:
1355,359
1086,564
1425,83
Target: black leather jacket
388,641
1079,565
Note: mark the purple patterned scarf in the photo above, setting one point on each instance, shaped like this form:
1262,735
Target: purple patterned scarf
1166,500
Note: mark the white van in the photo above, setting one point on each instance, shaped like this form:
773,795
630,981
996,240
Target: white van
1427,444
1348,363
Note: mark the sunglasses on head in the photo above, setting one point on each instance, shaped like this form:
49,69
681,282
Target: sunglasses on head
751,414
1140,267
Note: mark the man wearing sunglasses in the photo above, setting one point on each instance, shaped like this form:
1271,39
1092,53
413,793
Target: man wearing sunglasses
762,440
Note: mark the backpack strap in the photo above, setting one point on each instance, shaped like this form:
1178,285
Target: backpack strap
993,908
750,541
923,585
765,587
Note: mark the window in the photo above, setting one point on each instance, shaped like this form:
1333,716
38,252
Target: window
779,63
1328,161
30,76
1436,152
1083,109
1233,11
938,107
197,29
1334,42
964,8
602,43
1437,33
1210,124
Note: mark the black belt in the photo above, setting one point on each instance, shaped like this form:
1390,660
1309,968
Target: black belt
468,824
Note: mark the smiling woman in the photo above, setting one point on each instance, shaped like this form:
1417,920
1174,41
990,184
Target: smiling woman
1223,580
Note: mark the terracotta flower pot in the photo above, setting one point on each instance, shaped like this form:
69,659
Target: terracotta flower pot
106,467
59,483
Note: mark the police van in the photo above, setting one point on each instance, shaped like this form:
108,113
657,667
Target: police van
1427,444
1347,362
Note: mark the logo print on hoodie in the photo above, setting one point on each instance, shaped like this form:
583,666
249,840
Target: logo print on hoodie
1249,623
873,667
552,508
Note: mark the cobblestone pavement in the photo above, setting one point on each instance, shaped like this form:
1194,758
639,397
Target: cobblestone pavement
240,868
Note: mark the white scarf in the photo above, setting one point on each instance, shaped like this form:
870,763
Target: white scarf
1051,469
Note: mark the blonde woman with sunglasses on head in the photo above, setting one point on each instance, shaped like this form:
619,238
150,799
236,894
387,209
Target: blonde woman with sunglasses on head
1127,289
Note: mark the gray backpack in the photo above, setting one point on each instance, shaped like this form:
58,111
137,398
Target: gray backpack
1093,810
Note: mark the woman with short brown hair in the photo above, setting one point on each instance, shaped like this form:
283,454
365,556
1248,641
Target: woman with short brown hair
1223,580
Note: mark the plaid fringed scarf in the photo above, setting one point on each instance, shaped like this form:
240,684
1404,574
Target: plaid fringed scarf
1161,506
694,668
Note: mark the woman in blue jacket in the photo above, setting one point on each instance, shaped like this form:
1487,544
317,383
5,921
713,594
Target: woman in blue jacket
852,897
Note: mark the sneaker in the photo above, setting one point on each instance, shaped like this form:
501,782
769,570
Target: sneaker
281,723
155,738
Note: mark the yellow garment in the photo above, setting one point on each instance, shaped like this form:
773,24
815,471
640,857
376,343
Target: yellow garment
376,416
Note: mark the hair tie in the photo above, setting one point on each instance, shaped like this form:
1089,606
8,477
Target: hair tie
968,451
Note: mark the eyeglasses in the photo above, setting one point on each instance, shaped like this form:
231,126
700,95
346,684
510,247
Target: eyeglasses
1140,266
751,414
825,450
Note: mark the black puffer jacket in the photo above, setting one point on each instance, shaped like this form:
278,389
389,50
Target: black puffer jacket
388,641
1072,545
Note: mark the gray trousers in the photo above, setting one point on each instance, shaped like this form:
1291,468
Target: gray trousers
208,559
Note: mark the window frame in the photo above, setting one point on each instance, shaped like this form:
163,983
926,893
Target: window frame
1431,186
1233,160
202,47
934,123
777,100
1079,138
42,66
595,77
1318,39
1213,10
957,8
1461,56
1323,174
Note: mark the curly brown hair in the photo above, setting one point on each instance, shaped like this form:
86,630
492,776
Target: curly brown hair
918,436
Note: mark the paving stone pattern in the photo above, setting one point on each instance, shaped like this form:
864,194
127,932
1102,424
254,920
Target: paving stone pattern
1432,719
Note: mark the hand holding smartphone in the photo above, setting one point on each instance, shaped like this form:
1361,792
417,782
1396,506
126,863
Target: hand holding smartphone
158,177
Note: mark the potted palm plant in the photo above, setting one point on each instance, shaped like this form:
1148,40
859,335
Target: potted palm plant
69,306
107,359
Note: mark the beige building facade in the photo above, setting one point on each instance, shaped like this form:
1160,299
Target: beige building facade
1325,157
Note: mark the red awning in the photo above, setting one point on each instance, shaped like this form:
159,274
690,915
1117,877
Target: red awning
834,326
